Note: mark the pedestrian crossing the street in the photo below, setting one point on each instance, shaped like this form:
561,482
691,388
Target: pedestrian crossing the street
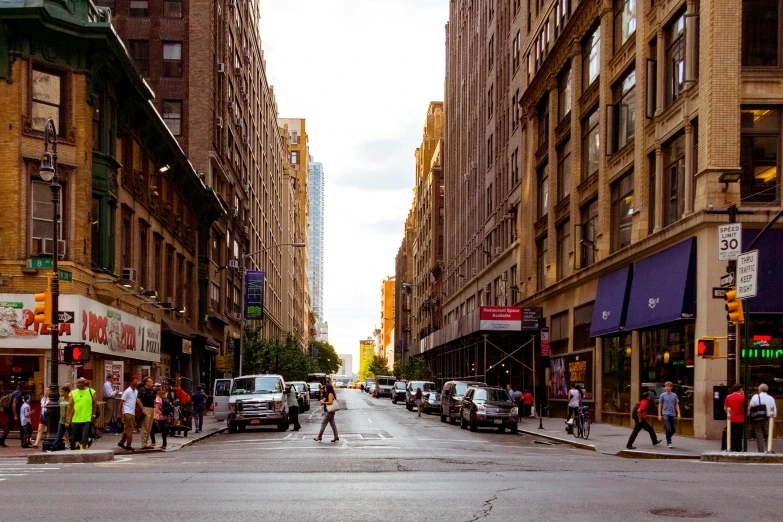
12,469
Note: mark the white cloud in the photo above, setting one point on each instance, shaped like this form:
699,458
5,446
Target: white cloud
363,73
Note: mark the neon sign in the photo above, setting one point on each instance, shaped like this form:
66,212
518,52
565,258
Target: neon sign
764,353
762,341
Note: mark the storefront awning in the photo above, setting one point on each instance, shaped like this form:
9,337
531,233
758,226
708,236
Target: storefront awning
769,296
177,328
664,287
212,344
611,301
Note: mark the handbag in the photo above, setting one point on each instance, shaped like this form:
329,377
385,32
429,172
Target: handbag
331,408
758,413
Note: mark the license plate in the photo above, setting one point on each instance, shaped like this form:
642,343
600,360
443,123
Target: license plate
498,421
256,421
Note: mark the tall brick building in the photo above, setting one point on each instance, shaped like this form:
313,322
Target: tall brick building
204,60
622,126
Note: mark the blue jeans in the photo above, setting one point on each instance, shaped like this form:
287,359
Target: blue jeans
670,426
58,440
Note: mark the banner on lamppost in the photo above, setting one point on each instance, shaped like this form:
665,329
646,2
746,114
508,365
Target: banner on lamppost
254,295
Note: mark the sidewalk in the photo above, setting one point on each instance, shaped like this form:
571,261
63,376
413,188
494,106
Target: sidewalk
611,440
108,441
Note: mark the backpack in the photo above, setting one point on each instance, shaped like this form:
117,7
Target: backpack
167,408
5,402
635,412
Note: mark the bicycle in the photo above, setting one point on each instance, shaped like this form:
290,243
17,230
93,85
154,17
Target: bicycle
582,423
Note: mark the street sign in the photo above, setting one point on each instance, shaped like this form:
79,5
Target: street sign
729,241
39,262
747,270
531,317
545,350
727,280
64,317
65,275
718,293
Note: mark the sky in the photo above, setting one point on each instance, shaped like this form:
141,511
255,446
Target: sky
362,72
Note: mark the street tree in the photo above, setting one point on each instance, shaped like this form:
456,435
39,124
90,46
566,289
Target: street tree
379,365
326,359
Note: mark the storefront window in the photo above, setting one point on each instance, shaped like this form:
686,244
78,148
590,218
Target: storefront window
765,356
616,383
668,355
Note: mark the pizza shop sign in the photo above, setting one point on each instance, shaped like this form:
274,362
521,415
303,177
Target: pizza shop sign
106,329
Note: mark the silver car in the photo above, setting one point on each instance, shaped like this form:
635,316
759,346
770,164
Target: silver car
257,400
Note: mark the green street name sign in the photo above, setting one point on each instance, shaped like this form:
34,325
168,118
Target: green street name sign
39,262
65,275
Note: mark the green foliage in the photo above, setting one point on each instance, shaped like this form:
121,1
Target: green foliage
414,369
379,365
327,361
263,356
364,370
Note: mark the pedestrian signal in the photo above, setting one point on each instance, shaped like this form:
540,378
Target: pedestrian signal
76,353
43,305
735,313
707,348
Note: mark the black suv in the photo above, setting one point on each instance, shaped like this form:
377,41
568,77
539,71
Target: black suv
398,392
488,406
410,391
451,399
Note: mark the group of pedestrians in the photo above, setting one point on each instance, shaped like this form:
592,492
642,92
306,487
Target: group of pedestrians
523,400
760,409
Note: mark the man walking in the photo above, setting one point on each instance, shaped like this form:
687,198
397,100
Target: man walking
293,407
147,398
640,418
13,414
111,405
527,399
669,412
128,408
199,407
735,402
510,392
81,413
761,428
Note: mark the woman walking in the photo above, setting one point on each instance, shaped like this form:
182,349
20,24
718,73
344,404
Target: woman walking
419,401
331,408
160,418
42,420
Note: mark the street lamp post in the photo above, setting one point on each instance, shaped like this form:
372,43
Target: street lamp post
48,172
242,320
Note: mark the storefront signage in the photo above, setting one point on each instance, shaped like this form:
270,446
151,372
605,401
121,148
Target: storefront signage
729,241
254,295
106,329
573,368
531,317
747,272
187,346
764,353
545,351
500,318
224,363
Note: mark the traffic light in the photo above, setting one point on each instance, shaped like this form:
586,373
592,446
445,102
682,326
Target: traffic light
707,347
734,307
43,306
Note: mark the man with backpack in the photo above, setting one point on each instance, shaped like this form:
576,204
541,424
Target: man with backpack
11,405
639,415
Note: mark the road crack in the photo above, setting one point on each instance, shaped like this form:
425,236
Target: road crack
488,505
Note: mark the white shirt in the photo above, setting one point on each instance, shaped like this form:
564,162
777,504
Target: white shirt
575,398
108,390
766,400
129,400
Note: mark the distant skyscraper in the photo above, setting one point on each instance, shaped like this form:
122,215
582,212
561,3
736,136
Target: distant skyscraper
316,243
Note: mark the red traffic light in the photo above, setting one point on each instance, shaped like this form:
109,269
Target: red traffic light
706,348
76,353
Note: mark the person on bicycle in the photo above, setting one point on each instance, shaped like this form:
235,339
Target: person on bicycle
574,403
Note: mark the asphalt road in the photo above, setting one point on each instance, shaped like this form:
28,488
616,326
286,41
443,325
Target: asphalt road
388,465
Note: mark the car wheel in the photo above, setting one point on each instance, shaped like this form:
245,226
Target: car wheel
501,429
394,401
462,424
283,426
241,427
452,420
473,426
232,427
514,430
442,417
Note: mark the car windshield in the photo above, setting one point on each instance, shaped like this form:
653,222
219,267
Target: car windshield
460,389
314,385
248,385
485,394
299,386
385,382
400,385
433,396
425,386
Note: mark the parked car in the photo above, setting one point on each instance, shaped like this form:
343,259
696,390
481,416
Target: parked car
410,391
371,388
302,395
431,402
398,392
257,400
384,384
488,406
315,389
451,399
367,384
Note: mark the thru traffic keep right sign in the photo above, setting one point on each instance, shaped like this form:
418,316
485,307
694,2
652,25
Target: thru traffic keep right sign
747,270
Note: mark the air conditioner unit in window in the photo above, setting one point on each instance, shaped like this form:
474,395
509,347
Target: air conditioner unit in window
247,229
503,276
129,274
235,212
46,246
498,251
237,70
233,263
221,67
246,187
220,122
488,289
473,272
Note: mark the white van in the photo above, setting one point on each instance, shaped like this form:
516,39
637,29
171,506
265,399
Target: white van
220,395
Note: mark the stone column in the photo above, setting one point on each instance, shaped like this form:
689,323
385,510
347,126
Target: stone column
688,169
661,74
658,188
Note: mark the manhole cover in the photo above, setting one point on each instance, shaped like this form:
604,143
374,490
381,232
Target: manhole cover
681,513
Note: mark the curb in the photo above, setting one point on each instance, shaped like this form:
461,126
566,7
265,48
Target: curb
71,457
633,454
580,445
204,437
742,458
190,441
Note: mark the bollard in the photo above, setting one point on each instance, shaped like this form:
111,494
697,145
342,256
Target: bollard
728,430
771,430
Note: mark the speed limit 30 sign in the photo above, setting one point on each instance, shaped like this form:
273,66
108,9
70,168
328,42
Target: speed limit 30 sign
729,241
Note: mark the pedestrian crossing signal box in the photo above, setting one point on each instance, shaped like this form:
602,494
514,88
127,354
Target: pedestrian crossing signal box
76,353
707,348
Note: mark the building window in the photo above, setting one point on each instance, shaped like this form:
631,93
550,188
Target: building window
760,33
490,150
625,110
294,157
564,170
558,333
564,250
543,121
667,354
652,201
674,180
171,274
624,21
515,116
760,154
583,316
543,191
48,92
172,8
126,238
491,52
515,167
515,52
564,94
140,52
95,233
144,259
172,115
590,144
42,217
675,59
616,370
96,122
172,59
490,101
139,8
491,8
591,58
622,212
589,215
542,261
489,200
